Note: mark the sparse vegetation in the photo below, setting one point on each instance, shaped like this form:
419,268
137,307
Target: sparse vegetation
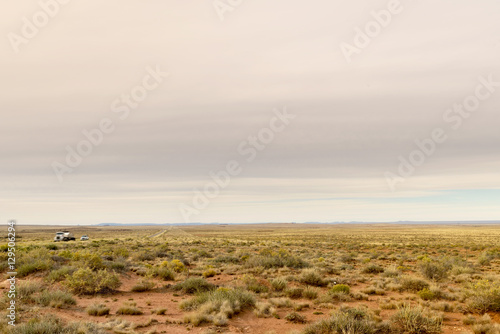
97,310
409,279
84,281
414,320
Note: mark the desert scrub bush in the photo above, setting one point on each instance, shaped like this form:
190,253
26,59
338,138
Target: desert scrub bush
312,277
52,325
54,298
484,325
88,259
310,293
264,310
254,285
120,265
97,310
162,272
414,320
269,259
209,273
391,272
26,290
194,285
372,290
279,284
427,294
217,306
340,288
143,286
85,281
412,284
129,309
144,256
175,265
434,270
60,274
346,321
485,259
295,318
483,296
294,293
372,269
227,259
160,311
33,261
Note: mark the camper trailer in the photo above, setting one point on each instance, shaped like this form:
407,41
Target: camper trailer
64,236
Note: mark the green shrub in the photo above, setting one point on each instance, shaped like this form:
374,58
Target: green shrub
35,260
279,284
276,261
252,284
264,310
54,298
347,321
97,310
295,318
89,259
129,309
373,269
484,296
45,325
235,297
340,288
413,320
310,293
26,290
162,272
217,306
209,273
52,325
294,293
427,294
412,284
84,281
434,270
194,285
312,277
60,274
143,286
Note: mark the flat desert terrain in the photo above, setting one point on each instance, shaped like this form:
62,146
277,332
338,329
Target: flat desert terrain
262,279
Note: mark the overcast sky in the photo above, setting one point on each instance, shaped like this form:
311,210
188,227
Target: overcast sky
337,156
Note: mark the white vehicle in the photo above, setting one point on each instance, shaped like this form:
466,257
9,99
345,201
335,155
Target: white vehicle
84,237
64,236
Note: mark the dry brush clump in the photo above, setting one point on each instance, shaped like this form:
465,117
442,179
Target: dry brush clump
415,320
97,310
143,286
129,308
85,281
483,296
194,285
53,325
348,321
217,306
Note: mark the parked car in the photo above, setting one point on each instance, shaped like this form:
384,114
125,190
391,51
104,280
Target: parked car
64,236
84,237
